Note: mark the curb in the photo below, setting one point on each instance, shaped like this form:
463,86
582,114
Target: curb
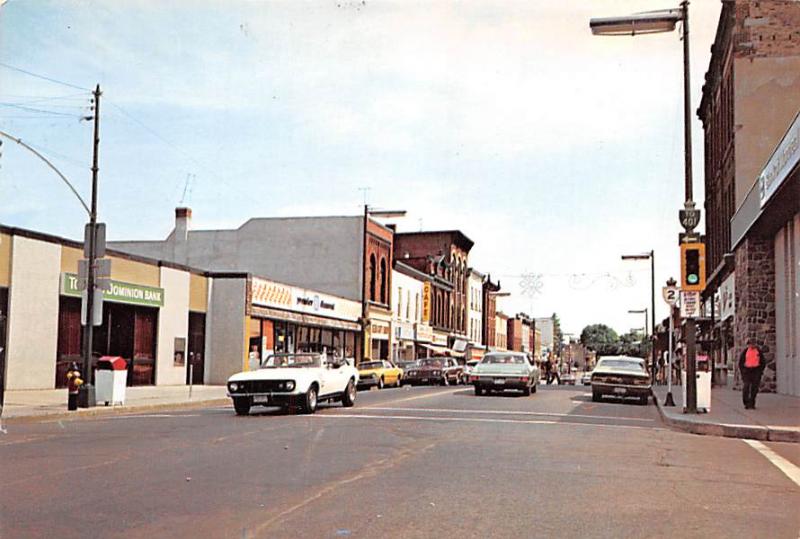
764,434
99,411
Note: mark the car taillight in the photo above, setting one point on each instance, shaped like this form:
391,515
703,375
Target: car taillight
523,378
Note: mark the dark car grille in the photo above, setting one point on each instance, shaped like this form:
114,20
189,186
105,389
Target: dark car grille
260,386
620,379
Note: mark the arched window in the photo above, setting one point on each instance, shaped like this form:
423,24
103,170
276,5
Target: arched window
383,280
372,277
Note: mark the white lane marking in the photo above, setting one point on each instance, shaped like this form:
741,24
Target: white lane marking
425,396
482,420
144,416
791,471
508,412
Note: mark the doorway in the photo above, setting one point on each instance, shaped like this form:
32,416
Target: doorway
195,369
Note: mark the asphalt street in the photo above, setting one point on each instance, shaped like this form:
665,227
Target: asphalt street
408,462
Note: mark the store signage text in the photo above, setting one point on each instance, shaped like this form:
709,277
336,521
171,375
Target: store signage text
118,292
426,302
316,303
786,156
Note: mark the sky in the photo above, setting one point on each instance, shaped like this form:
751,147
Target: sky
555,151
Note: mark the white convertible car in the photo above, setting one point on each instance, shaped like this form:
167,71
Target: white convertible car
295,380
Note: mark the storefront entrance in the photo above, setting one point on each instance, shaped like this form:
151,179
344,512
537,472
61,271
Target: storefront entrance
195,369
127,331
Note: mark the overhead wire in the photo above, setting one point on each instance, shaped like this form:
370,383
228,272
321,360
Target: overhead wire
43,77
33,109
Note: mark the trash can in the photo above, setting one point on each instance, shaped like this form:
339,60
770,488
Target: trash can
110,379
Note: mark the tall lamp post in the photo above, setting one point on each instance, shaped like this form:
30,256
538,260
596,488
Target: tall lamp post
652,258
650,23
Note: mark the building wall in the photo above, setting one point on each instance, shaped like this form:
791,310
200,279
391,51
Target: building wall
173,322
501,332
5,259
198,293
319,253
545,326
33,314
226,329
787,307
475,309
406,297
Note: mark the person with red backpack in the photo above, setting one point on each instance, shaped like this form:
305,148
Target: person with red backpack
751,365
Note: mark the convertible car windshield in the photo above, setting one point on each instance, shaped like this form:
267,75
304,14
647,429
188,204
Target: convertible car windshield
292,360
493,359
621,364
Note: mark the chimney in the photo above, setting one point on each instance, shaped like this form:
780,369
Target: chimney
183,221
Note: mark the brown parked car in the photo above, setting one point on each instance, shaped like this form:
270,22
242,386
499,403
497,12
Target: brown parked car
434,370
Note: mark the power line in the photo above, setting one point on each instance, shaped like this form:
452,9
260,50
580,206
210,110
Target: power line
43,77
33,109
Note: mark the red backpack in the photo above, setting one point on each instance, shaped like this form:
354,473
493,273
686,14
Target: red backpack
751,358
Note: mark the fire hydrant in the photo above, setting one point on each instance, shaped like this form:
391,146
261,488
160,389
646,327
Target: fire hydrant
74,382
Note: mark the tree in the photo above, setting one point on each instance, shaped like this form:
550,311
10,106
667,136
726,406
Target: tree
558,336
601,338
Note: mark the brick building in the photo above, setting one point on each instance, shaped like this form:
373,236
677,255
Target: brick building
490,291
751,98
444,255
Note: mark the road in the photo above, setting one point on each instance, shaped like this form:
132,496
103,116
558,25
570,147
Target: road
409,462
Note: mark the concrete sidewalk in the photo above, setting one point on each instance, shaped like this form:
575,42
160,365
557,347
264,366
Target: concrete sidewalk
776,418
52,403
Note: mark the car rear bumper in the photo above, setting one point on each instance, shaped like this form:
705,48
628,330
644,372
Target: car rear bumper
506,383
621,390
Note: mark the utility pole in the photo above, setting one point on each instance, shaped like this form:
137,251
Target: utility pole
91,236
653,354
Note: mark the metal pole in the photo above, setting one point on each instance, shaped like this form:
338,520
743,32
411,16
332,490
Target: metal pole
669,400
90,284
364,285
691,353
653,316
191,379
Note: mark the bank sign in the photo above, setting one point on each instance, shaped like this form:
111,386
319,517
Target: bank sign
119,292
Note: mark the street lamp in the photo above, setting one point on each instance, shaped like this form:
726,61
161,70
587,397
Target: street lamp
649,23
641,311
652,258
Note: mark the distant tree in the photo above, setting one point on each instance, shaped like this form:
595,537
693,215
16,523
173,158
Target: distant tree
558,336
601,338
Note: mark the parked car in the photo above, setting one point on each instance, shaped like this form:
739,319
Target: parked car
586,379
379,373
621,376
499,371
567,379
435,370
468,369
295,380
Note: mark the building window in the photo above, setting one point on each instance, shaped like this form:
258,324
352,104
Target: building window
399,305
408,304
372,277
383,280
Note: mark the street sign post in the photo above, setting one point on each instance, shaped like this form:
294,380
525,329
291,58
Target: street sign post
689,216
670,294
690,304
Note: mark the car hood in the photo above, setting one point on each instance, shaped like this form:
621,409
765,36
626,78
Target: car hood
369,372
276,374
426,368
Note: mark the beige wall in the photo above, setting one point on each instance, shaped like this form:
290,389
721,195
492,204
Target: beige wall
122,269
5,259
767,98
33,314
173,322
198,293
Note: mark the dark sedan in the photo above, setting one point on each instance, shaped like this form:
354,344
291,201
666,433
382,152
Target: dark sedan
434,371
620,376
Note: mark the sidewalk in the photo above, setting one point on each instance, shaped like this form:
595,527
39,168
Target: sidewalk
776,418
52,403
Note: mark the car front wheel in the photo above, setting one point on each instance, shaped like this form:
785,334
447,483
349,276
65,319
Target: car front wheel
380,382
596,397
349,395
241,405
478,391
310,400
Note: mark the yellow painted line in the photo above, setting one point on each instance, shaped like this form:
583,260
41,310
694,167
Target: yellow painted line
407,399
508,412
483,420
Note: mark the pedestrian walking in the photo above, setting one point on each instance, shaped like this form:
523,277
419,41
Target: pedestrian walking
751,366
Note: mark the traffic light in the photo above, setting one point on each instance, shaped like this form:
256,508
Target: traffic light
693,266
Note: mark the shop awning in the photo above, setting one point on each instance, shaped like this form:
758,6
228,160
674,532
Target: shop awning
307,319
444,350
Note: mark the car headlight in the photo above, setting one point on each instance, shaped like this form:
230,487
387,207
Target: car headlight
233,386
290,385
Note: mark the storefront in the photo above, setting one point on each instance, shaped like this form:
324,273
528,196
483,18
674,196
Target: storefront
144,319
404,341
378,333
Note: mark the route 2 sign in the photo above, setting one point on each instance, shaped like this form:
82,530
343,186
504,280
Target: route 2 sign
670,294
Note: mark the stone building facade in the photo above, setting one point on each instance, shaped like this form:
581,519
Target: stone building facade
751,99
